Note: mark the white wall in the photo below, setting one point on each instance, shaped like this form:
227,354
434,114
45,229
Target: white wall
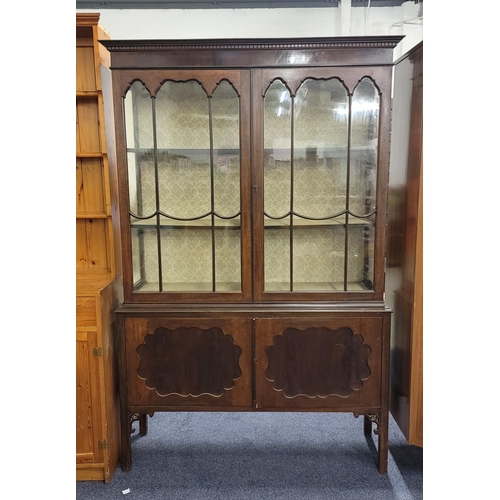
263,23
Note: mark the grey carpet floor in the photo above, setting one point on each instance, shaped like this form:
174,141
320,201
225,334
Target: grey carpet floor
278,456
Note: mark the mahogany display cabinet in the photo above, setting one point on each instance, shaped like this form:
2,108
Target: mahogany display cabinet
253,202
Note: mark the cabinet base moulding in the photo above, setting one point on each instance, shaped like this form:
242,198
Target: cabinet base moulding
94,472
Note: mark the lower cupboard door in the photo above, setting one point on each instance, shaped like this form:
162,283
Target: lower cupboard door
180,362
317,363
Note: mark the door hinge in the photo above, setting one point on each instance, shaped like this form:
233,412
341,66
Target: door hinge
102,444
97,351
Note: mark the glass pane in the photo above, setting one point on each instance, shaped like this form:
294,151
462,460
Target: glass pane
361,254
184,183
318,257
226,145
186,255
145,254
277,186
277,254
183,135
364,143
320,148
228,255
277,150
137,261
139,137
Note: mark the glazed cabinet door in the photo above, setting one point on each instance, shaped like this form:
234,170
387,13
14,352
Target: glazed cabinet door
186,190
320,174
178,362
319,363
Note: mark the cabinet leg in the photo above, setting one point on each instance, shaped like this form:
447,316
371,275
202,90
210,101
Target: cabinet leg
383,441
382,431
143,424
367,426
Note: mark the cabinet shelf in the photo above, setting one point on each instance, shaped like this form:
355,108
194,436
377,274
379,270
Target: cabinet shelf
235,224
235,287
180,224
280,153
313,286
190,287
326,152
90,155
87,94
92,215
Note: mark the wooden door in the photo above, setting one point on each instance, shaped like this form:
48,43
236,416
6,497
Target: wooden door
319,363
89,439
179,362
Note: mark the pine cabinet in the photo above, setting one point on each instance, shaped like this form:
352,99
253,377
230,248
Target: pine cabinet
252,177
97,403
98,285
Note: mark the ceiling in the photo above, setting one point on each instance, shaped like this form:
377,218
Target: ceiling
228,4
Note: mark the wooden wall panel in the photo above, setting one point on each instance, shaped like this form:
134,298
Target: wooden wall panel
81,245
87,126
92,245
90,195
86,311
85,79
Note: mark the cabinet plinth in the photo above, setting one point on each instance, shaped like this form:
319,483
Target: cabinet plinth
252,177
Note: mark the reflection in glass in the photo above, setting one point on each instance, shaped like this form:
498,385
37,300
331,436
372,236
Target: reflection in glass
277,149
364,144
138,270
226,146
361,254
138,106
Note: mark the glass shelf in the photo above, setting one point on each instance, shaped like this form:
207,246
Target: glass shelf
205,223
284,223
314,286
188,287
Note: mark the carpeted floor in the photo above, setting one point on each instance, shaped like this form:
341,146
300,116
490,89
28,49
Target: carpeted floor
247,456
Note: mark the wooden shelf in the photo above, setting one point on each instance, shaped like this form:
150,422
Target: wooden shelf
92,215
90,155
87,94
